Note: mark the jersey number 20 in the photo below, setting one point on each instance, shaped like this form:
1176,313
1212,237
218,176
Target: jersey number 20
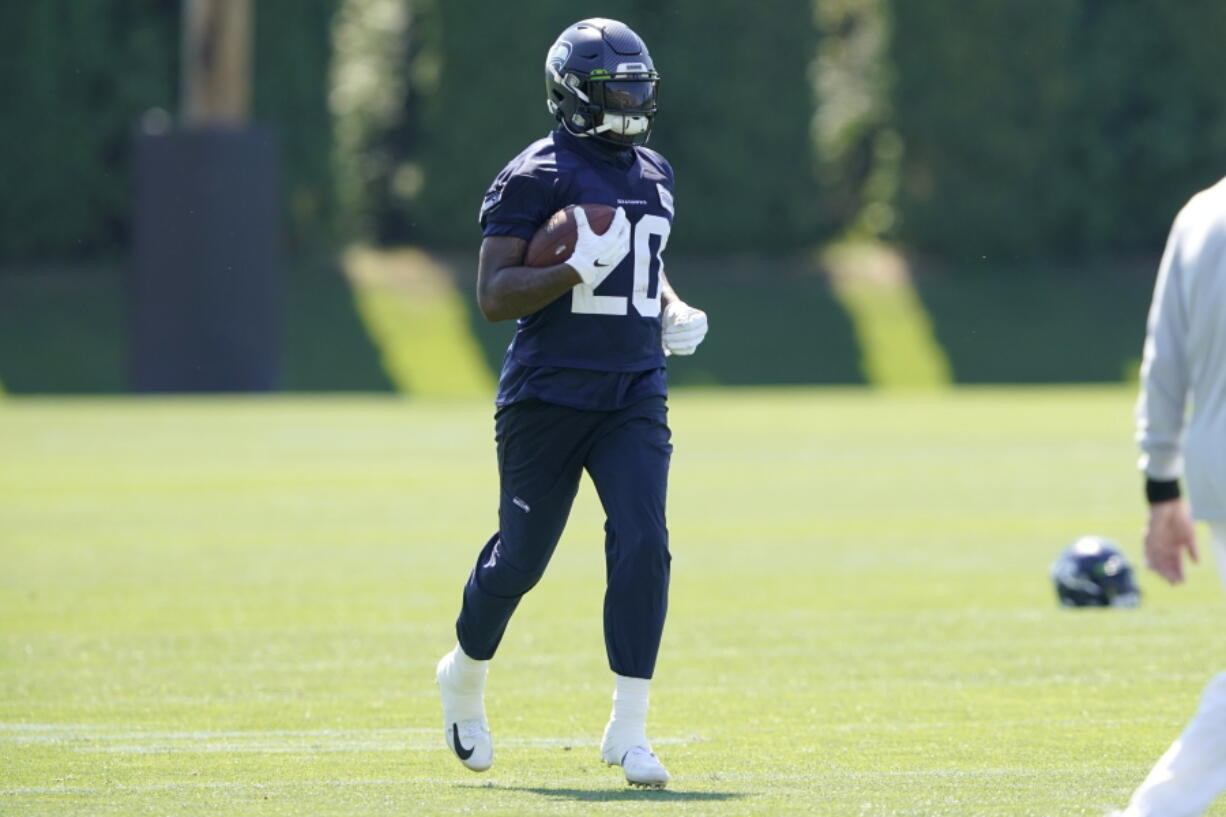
584,299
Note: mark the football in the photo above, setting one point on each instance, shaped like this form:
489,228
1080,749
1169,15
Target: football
555,240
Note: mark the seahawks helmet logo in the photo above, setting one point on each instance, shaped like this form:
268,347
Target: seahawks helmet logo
558,55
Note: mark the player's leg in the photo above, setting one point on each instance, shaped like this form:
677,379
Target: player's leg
540,452
629,466
1192,773
541,447
1217,534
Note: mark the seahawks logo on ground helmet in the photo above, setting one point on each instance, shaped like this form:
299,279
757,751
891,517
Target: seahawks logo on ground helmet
1092,572
600,82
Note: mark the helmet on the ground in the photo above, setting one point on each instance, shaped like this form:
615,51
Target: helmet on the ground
1092,572
600,82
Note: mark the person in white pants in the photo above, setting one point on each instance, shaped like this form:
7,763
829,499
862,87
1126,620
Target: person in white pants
1181,429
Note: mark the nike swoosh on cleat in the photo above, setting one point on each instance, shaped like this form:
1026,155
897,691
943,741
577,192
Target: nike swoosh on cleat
463,753
598,264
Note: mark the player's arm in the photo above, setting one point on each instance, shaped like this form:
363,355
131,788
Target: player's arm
682,327
668,295
507,289
1169,532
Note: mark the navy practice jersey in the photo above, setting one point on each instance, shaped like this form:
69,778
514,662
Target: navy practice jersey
596,346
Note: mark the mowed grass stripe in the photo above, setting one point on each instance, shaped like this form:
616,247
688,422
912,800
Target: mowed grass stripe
861,620
93,738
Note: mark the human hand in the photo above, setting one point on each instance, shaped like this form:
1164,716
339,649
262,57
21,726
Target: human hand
682,328
595,256
1169,533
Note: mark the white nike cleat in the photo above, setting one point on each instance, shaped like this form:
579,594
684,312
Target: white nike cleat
470,740
640,764
465,729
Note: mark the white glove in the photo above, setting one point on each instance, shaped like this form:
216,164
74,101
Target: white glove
595,256
684,327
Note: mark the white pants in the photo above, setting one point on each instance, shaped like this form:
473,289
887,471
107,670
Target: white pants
1193,771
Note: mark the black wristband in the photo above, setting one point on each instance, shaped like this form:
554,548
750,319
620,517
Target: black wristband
1161,490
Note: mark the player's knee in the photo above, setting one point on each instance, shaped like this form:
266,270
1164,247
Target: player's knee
639,548
506,579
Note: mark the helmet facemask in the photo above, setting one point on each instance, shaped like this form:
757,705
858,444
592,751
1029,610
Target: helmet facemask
627,107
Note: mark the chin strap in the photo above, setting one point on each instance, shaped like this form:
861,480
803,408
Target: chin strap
622,125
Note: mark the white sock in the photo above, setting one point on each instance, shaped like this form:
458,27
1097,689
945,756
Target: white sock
629,719
466,681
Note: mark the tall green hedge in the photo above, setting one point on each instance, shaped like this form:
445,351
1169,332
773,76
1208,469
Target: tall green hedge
1067,127
1149,126
477,81
293,50
857,147
735,111
77,77
1007,129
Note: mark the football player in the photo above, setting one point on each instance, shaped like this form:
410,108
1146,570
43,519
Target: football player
1181,427
583,384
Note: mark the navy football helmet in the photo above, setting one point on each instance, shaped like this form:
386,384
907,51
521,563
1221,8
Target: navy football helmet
1092,572
600,82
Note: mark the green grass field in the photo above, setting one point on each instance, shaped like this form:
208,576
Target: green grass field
234,606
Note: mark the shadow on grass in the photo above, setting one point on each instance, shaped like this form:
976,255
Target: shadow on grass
620,795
